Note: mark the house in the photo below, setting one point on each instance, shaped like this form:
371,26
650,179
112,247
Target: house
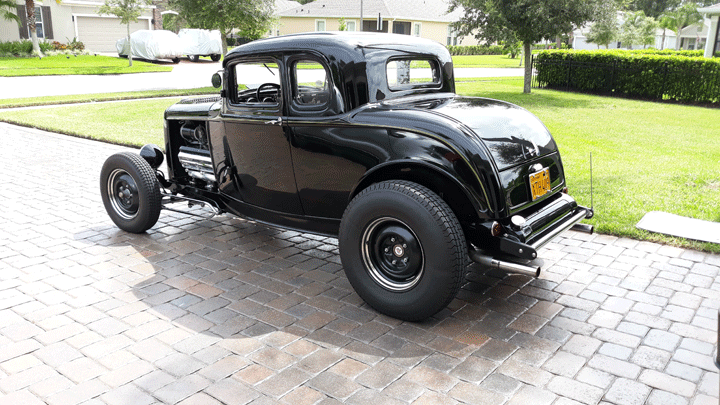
74,19
694,36
712,43
664,39
422,18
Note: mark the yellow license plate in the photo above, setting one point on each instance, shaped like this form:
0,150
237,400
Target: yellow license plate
539,183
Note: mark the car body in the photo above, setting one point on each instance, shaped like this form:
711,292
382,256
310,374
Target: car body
198,42
362,137
151,45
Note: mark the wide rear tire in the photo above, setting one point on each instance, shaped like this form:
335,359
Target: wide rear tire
403,249
130,192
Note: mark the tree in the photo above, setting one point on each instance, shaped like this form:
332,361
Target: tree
30,13
128,11
653,8
680,18
250,18
7,10
638,29
605,28
666,23
529,20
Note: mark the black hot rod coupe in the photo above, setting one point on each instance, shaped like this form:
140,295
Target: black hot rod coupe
359,136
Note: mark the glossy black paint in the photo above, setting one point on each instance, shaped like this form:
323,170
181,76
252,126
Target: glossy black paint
298,166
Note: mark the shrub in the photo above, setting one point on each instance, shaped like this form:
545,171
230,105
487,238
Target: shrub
476,50
22,48
649,74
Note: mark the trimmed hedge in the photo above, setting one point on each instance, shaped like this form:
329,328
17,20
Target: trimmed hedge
647,74
476,50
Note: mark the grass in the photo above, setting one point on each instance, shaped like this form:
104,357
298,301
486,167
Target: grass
75,65
646,156
89,98
485,61
132,122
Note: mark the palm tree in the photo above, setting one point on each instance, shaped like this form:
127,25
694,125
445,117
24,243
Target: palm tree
7,10
30,12
682,17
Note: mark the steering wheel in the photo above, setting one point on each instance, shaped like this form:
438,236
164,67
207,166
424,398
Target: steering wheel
275,85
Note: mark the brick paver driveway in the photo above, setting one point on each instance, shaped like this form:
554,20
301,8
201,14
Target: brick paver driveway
230,311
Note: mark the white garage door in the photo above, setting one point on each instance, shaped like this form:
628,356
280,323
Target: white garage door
99,34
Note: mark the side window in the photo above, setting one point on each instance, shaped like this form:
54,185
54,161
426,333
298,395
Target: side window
257,83
310,84
410,73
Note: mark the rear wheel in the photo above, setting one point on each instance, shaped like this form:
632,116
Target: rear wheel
215,57
403,249
130,192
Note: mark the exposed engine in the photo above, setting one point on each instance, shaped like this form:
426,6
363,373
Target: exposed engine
194,156
195,134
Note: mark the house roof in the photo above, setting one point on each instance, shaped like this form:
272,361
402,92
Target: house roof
711,10
412,10
282,5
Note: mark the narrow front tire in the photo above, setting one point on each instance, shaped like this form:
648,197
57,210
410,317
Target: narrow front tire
130,192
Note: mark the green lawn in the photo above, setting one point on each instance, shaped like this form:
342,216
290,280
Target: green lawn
485,61
88,98
75,65
646,156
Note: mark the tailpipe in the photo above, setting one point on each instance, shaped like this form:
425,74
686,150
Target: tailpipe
584,228
487,261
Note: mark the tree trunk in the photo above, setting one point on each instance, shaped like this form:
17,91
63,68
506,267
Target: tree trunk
558,42
129,44
662,44
224,36
677,39
527,49
30,10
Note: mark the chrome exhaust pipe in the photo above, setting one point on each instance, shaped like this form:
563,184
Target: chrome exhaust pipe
584,228
487,261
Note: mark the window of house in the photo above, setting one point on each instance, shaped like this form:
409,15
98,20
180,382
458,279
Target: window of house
410,73
351,25
416,29
319,25
451,35
257,83
38,24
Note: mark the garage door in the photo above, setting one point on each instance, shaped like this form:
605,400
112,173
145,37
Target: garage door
100,34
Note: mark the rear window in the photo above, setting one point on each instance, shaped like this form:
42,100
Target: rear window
411,73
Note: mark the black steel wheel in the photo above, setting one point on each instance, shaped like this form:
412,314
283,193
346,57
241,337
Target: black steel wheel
215,57
130,192
403,249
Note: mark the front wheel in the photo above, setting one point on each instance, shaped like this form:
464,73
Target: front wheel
194,58
130,192
403,249
215,57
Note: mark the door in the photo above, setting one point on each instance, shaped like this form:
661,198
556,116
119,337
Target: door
256,137
329,157
99,34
